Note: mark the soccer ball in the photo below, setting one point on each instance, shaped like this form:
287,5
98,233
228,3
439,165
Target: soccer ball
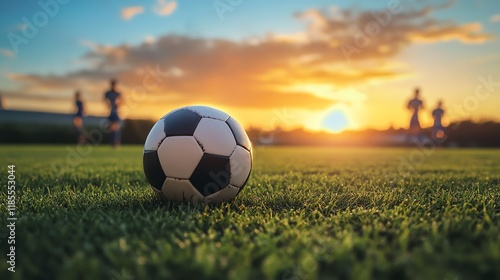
197,154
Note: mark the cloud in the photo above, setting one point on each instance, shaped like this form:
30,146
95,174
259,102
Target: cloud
164,7
91,44
368,34
149,39
264,72
129,12
199,71
7,53
13,94
495,18
465,33
22,26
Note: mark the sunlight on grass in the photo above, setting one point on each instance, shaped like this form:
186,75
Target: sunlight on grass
306,213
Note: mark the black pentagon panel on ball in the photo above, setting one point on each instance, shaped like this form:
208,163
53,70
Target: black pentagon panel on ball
211,175
239,133
152,169
181,123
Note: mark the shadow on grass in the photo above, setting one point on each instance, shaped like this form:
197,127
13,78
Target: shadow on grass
149,202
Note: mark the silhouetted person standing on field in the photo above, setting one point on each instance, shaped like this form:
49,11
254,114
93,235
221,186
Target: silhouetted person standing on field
78,117
415,105
437,115
114,99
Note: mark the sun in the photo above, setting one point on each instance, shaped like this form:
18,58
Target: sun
335,121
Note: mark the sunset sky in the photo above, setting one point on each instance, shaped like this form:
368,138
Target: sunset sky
328,65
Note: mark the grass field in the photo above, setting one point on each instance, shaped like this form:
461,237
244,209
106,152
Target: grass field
306,213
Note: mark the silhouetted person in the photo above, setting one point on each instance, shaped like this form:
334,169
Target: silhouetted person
415,105
113,99
78,117
437,127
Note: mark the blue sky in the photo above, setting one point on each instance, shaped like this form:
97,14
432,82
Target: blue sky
59,47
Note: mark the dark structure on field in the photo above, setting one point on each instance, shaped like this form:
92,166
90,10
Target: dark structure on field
23,127
18,127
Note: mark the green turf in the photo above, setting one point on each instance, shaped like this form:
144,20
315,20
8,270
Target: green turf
306,213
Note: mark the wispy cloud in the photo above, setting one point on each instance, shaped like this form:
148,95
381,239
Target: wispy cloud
91,44
465,33
22,26
149,39
164,7
495,18
16,27
130,12
7,53
394,32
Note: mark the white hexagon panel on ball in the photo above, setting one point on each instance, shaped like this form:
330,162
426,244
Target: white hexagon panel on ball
215,137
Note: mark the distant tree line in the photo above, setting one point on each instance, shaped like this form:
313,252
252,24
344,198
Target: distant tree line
133,132
462,134
459,134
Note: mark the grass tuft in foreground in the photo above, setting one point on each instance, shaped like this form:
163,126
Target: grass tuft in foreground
306,213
